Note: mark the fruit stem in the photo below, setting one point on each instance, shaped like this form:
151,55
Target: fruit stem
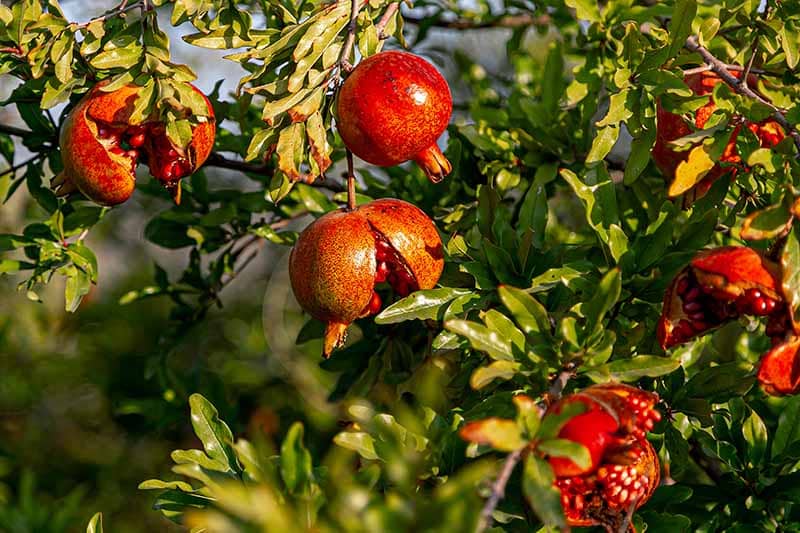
344,57
351,182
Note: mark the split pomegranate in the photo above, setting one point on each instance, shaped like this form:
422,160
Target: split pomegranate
101,148
671,127
717,286
392,108
340,259
624,469
779,371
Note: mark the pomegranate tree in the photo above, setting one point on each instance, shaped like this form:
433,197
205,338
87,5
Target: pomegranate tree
341,259
101,147
624,470
392,108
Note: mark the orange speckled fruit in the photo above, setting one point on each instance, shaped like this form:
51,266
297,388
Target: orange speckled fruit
392,108
100,147
671,127
340,258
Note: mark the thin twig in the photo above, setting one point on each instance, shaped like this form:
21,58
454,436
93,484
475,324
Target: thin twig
557,387
344,61
351,182
123,8
719,68
746,73
18,166
498,490
391,9
218,160
11,130
734,68
507,21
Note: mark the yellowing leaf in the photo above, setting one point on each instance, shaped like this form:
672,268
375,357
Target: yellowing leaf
499,433
690,172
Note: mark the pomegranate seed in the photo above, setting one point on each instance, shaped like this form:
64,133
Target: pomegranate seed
692,307
166,171
381,272
137,141
683,286
692,294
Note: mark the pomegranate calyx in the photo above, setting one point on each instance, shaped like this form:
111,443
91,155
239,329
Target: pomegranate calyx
434,163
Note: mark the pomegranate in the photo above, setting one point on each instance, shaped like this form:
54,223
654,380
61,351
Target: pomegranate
671,127
779,371
100,147
624,469
392,108
717,286
340,259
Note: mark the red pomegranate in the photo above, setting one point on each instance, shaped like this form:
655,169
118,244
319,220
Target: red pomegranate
341,257
717,286
392,108
100,147
779,371
624,470
671,127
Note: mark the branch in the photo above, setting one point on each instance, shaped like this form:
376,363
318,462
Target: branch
720,69
391,9
498,490
505,21
119,10
218,160
11,130
344,63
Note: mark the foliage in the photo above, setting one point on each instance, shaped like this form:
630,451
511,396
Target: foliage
560,242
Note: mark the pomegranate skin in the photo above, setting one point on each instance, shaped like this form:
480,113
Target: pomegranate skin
103,176
392,108
104,171
671,127
334,265
421,249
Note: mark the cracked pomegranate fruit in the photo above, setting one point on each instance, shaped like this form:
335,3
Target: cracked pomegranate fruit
100,147
779,371
717,286
671,127
392,108
624,469
341,258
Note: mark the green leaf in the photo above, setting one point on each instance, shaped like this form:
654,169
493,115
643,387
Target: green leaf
587,10
790,263
526,310
540,493
124,58
755,433
215,434
95,524
361,443
602,144
790,40
788,430
633,369
503,370
420,305
575,451
680,26
605,297
482,339
296,467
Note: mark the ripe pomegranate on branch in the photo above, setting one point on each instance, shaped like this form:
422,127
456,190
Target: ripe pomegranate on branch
392,108
624,470
342,259
101,147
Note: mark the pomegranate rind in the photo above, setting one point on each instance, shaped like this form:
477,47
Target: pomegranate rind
412,234
729,271
593,431
103,176
332,267
392,108
779,370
